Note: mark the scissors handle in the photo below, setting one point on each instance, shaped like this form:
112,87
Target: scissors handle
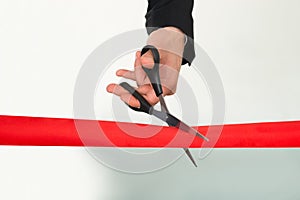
153,73
144,105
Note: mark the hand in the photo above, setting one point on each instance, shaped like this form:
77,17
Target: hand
170,43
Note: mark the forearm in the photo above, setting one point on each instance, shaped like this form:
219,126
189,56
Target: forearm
173,13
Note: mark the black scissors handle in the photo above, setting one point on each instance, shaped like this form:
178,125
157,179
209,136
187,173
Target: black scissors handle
153,73
144,105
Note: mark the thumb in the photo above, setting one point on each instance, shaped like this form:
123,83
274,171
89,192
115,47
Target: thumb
137,62
141,77
147,60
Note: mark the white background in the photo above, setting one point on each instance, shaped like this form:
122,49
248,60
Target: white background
255,46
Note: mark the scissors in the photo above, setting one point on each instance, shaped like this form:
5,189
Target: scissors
164,114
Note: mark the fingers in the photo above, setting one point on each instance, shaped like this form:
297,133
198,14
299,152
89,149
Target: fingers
123,94
169,69
146,91
138,74
126,74
116,89
129,99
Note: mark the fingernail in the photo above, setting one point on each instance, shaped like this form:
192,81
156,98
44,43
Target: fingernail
137,54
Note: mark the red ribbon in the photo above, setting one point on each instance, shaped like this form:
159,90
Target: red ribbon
39,131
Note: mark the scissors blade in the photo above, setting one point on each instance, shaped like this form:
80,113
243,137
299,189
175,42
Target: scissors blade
163,104
181,125
174,122
188,153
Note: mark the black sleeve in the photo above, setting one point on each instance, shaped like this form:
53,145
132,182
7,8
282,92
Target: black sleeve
176,13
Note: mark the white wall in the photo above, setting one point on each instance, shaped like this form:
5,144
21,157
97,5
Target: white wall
254,44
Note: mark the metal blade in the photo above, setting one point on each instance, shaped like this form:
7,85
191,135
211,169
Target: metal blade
166,117
181,125
163,104
188,153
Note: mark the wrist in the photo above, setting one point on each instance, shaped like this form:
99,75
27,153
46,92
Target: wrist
169,39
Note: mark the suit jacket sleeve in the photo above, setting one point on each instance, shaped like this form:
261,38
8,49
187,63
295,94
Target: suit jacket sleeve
176,13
